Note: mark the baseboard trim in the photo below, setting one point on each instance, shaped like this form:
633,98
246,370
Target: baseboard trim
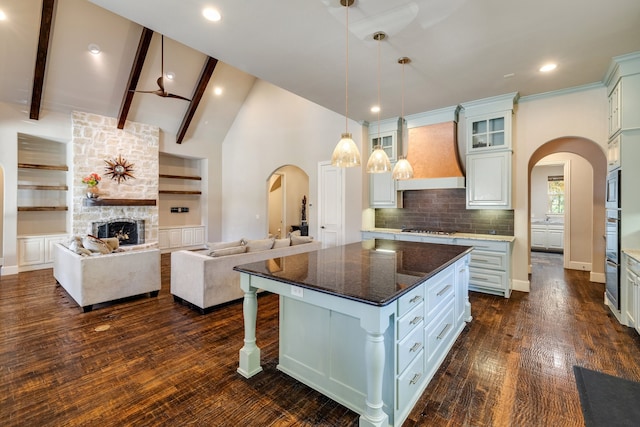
582,266
8,271
521,285
597,277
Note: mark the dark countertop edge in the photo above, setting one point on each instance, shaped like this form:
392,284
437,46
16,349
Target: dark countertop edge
470,236
382,303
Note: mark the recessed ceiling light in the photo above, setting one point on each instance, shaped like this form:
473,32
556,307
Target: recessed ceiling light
217,91
211,14
375,109
3,15
548,67
94,48
171,75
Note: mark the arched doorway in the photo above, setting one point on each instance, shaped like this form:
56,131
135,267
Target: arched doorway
286,187
585,219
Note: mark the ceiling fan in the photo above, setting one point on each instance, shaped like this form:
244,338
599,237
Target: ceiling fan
161,91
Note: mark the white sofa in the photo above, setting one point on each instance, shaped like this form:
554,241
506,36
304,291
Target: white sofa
204,281
96,279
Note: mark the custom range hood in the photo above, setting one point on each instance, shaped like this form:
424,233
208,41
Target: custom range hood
433,151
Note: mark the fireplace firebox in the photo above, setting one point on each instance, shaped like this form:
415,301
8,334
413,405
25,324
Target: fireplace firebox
128,231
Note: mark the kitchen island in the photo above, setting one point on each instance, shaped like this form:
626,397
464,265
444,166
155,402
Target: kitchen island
366,324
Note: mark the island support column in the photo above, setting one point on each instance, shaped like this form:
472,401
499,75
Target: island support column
250,352
374,360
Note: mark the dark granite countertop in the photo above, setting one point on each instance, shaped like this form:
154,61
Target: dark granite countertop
374,272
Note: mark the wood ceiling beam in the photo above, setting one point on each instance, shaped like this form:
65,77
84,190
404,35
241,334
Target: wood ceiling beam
134,76
46,20
207,71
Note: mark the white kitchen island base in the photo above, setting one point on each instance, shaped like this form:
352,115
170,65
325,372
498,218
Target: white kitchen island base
374,359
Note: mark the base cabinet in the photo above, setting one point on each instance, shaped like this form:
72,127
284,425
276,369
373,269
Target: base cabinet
36,252
325,349
177,238
633,293
547,237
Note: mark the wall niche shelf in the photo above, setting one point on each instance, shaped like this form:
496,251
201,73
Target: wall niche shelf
196,178
118,202
42,208
43,167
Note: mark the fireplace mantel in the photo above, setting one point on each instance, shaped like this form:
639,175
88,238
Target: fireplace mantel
118,202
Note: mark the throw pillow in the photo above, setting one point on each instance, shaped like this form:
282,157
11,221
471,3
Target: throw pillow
76,246
112,242
295,233
228,251
281,243
95,245
223,245
259,245
300,240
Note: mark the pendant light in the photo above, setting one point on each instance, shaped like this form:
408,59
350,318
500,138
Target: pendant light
346,153
403,169
378,161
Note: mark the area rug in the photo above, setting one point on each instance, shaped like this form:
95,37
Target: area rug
607,400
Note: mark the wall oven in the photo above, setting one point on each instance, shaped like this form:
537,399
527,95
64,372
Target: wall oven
612,267
612,200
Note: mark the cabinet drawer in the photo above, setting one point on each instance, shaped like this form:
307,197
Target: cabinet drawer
409,347
493,260
410,300
483,245
633,265
487,278
408,384
439,333
410,320
440,293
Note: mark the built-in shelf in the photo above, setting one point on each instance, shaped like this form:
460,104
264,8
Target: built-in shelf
118,202
42,187
179,192
43,167
196,178
41,208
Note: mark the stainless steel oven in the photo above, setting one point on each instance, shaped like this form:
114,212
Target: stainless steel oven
612,200
612,267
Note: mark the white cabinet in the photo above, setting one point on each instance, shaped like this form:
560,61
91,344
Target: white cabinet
367,235
633,293
614,110
489,132
489,266
176,238
547,237
36,252
385,133
383,192
489,180
613,154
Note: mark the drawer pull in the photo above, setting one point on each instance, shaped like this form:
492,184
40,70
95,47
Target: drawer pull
479,278
415,299
417,346
415,320
479,260
415,379
443,290
444,331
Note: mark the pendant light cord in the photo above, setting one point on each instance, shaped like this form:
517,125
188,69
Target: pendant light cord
379,106
346,83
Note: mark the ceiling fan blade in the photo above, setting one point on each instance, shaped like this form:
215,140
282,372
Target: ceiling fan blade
170,95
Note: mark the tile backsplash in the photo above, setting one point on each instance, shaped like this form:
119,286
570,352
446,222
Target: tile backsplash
445,209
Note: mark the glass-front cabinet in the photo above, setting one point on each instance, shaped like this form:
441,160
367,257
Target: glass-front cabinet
489,132
387,140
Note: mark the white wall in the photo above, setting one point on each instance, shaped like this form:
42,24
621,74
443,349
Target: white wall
275,127
539,179
539,119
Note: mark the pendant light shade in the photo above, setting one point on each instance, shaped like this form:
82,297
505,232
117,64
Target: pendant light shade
378,161
403,169
346,153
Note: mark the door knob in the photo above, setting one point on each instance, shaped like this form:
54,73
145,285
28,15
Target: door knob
322,226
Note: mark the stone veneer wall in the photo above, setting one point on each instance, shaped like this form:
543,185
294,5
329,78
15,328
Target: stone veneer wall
96,139
445,209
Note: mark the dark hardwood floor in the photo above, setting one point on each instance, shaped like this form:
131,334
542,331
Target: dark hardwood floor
161,364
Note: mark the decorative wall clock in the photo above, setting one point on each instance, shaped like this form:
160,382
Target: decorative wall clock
119,169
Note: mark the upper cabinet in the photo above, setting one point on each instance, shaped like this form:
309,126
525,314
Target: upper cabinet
623,84
614,110
489,151
386,133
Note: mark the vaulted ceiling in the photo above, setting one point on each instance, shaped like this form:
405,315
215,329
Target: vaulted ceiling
461,50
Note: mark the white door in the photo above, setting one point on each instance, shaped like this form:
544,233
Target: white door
331,203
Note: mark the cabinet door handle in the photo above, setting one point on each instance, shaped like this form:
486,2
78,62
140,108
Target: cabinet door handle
444,331
417,346
415,299
415,379
415,320
443,290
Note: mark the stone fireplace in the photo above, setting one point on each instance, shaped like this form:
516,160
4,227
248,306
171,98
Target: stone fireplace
128,231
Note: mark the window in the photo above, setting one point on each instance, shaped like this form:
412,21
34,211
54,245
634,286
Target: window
555,194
